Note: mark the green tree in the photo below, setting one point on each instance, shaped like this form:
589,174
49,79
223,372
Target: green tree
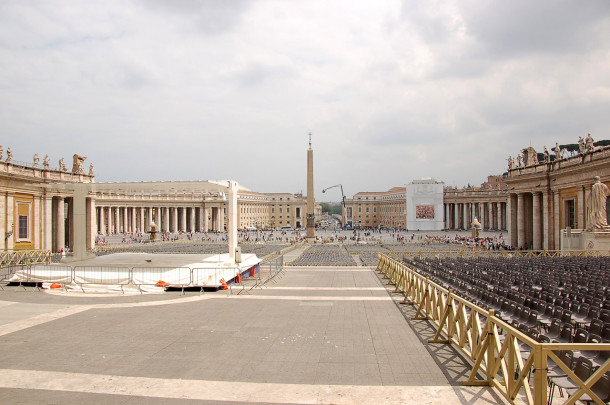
326,207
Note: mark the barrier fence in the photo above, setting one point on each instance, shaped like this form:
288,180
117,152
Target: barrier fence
17,257
175,277
270,269
495,253
511,362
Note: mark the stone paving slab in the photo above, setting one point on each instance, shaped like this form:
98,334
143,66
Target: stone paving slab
345,342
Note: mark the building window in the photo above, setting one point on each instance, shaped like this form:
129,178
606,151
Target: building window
23,227
570,218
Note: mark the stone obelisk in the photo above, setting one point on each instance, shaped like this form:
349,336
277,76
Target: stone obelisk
311,218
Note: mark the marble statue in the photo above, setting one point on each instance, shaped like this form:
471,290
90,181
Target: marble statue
511,163
530,157
36,160
519,161
547,155
77,163
9,155
557,151
1,151
581,145
91,170
596,206
45,162
62,165
589,147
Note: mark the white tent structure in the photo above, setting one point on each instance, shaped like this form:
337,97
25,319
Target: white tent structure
142,269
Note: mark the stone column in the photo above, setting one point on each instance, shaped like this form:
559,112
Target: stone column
134,217
232,223
166,219
200,223
546,223
125,222
142,217
102,223
585,197
47,218
182,219
490,216
536,221
556,223
520,221
149,218
206,219
581,207
36,212
108,213
455,216
70,224
60,225
91,222
3,229
498,215
79,221
221,218
11,226
511,219
117,220
192,220
174,224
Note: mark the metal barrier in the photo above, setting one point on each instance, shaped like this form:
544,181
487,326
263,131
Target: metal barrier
45,273
100,275
180,277
268,270
211,276
17,257
498,253
503,354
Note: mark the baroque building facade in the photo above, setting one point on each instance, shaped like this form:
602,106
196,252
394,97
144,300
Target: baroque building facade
546,197
35,215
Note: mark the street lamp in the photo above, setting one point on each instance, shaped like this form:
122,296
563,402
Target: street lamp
343,200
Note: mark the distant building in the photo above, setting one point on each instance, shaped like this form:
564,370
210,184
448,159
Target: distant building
374,209
425,209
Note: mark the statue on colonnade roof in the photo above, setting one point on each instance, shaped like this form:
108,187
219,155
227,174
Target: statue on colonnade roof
77,164
596,206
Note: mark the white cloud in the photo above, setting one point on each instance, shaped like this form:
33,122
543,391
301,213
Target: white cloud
391,90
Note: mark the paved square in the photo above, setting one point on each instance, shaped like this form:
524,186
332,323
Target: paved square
317,335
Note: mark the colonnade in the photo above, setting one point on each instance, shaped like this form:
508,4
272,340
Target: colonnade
492,215
536,216
112,219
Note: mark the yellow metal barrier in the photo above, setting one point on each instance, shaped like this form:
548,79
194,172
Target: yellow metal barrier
25,257
510,361
421,253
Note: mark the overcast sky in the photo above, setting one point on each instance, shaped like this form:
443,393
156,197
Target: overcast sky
392,91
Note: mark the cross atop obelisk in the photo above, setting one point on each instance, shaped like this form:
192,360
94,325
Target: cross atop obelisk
311,202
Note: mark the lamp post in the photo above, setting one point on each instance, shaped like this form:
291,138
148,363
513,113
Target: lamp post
342,200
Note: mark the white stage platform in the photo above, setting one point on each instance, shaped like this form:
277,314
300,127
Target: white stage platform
145,271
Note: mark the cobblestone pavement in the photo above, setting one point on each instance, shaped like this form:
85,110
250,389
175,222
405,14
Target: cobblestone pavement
319,335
